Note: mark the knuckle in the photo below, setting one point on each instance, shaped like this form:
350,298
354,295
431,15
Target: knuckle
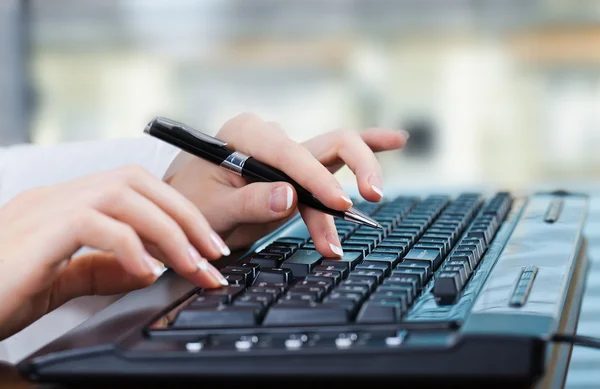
345,136
79,219
131,172
127,238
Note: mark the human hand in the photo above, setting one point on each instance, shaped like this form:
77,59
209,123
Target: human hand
125,214
242,212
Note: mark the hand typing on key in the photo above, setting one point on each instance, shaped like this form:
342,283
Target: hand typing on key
243,212
135,223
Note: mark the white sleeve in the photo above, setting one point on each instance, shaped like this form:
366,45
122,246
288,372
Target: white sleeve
27,166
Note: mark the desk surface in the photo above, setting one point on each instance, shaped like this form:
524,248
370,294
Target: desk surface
584,371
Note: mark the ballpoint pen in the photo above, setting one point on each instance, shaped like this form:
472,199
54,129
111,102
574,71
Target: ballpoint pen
216,151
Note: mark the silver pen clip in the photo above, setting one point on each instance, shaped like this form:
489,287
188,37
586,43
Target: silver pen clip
172,124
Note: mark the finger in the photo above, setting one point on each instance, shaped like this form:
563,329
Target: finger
322,231
261,202
379,139
267,143
354,152
94,229
178,207
154,225
95,273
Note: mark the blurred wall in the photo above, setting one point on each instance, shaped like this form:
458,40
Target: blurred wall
506,92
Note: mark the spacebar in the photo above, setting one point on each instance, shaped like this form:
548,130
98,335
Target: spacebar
305,316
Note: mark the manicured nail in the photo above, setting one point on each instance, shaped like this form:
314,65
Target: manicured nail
219,244
155,267
405,134
280,198
217,275
375,182
334,243
347,199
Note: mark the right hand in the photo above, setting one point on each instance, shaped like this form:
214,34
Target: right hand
125,214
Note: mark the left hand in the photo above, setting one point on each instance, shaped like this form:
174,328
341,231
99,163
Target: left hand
242,213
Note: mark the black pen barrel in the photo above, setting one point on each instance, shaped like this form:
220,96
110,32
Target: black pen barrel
256,171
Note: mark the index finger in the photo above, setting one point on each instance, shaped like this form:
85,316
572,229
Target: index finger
267,143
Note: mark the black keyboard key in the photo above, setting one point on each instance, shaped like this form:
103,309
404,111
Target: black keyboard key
460,261
265,299
419,267
267,260
375,265
456,269
228,292
391,259
389,249
302,262
433,258
334,276
362,249
402,280
274,275
399,288
300,296
275,292
348,305
343,267
326,284
349,259
399,295
380,312
444,241
470,247
249,265
369,243
430,246
367,283
314,314
327,268
219,317
447,286
209,301
377,275
246,272
468,255
316,291
363,290
356,298
419,274
272,285
292,242
286,251
235,279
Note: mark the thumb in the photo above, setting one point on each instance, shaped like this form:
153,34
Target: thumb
94,273
262,202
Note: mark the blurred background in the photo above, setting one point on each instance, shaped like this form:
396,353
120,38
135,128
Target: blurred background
494,92
505,92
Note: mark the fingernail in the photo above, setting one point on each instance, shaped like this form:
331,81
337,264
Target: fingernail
218,276
334,243
280,198
221,246
376,184
405,134
154,266
347,199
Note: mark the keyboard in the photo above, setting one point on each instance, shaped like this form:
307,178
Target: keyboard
460,288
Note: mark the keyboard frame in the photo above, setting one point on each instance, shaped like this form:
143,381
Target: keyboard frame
111,346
